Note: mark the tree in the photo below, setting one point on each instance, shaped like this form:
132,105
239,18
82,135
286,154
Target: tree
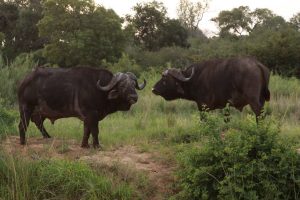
153,30
190,14
173,34
27,35
18,21
237,21
9,17
80,33
295,21
147,22
278,49
241,21
260,16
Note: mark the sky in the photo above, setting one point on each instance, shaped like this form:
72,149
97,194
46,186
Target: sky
284,8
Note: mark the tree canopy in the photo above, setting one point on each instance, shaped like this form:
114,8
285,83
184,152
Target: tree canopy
18,21
152,29
80,32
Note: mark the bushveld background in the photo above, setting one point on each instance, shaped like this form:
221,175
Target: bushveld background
158,149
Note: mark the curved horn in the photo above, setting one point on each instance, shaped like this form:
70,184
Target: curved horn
137,86
141,86
116,78
178,75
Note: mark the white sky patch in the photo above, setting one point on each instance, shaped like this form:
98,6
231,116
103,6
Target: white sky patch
284,8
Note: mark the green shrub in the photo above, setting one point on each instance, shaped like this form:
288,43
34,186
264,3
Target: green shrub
7,120
250,162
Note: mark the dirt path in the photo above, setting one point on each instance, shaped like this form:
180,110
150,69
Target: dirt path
159,173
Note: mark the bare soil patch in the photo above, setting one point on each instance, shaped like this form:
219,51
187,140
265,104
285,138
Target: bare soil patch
160,174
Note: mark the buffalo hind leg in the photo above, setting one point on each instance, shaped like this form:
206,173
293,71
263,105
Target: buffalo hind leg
257,108
25,114
226,113
86,135
95,133
39,122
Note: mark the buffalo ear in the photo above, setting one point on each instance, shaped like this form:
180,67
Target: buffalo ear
113,94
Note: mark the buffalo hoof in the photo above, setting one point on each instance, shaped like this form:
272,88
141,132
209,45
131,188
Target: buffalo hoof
22,142
97,146
46,136
86,146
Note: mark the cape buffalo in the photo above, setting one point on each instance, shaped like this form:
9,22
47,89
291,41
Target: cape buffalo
87,93
214,83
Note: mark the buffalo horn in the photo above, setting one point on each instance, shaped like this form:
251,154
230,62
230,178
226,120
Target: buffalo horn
116,78
179,75
137,86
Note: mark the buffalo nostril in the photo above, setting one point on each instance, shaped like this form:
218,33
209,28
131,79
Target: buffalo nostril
154,91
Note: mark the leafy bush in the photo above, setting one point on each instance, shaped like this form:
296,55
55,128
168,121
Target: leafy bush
250,162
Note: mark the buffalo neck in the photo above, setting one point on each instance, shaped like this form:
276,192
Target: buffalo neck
188,93
188,87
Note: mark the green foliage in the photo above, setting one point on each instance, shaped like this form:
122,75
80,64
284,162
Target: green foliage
21,179
7,121
277,49
18,25
152,30
166,56
146,23
295,21
124,64
237,21
173,34
11,75
241,160
80,33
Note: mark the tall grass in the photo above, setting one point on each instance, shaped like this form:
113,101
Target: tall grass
55,179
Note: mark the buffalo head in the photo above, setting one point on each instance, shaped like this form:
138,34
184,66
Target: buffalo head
170,85
122,87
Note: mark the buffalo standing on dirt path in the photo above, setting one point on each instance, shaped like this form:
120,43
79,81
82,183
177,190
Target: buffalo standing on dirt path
89,94
214,83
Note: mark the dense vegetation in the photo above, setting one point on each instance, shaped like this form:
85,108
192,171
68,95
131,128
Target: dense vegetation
69,33
173,129
214,160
